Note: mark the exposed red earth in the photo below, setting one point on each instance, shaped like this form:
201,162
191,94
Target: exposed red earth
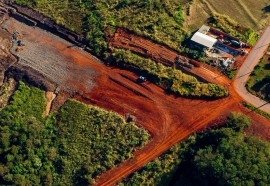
126,40
168,118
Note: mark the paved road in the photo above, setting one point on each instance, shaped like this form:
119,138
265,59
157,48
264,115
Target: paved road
243,74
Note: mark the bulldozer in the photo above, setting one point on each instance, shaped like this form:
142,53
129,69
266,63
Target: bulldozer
21,46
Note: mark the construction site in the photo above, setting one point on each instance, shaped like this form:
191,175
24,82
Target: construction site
222,49
39,56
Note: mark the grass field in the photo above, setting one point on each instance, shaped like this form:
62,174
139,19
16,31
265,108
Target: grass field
245,12
259,82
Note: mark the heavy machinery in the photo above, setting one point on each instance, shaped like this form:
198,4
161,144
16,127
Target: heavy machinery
180,62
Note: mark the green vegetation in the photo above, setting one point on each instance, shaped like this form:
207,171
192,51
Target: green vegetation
259,82
173,79
253,108
157,19
228,25
225,156
72,146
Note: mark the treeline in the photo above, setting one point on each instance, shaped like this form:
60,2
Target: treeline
71,147
172,79
225,156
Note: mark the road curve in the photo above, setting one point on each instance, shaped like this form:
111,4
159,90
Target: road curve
248,66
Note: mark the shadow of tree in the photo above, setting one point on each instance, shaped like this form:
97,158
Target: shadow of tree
266,9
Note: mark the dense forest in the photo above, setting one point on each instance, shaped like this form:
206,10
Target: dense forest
224,156
72,146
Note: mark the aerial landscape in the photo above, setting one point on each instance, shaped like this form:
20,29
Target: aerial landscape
133,92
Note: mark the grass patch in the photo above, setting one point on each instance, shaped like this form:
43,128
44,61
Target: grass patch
159,20
72,146
253,108
175,80
259,82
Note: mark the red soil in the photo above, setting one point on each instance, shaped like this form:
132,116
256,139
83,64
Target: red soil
124,39
169,119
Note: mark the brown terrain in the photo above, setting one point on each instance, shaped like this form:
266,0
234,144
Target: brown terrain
57,65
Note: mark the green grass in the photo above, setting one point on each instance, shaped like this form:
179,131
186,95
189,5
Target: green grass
157,19
253,108
246,12
94,139
72,146
259,82
228,25
176,81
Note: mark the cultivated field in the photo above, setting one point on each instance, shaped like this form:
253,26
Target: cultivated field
246,12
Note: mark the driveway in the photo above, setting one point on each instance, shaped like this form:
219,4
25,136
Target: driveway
248,66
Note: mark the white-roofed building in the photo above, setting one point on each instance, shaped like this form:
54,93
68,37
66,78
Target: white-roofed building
203,39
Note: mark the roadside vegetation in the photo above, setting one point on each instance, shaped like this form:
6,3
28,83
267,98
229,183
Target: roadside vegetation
71,147
171,79
224,156
259,82
253,108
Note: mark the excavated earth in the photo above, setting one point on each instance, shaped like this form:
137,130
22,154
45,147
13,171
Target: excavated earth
57,65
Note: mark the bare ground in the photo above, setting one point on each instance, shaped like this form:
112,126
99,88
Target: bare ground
50,96
168,118
43,55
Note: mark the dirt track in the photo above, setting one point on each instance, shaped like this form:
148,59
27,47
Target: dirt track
168,118
162,54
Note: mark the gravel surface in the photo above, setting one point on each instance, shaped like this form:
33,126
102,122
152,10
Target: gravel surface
48,55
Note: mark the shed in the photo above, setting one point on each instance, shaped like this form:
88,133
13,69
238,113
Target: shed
204,39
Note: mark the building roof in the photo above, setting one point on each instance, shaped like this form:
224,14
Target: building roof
203,39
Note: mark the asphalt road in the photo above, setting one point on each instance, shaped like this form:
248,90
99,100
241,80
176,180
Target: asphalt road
248,66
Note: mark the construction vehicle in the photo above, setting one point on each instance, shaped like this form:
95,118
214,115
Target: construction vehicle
236,43
19,48
183,63
17,36
142,79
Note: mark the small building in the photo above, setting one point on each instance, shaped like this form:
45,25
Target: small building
204,40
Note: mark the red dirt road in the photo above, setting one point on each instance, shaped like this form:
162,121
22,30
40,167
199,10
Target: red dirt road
169,119
126,40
